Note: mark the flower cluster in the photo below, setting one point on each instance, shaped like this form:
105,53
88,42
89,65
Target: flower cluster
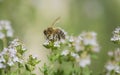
116,35
31,63
77,50
113,65
12,55
81,48
5,29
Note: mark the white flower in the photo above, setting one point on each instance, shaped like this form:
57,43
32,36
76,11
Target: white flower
62,41
24,48
2,65
110,53
34,56
88,41
46,43
84,61
20,61
96,48
84,39
71,39
109,66
10,33
108,73
56,44
15,59
116,34
112,67
117,30
76,56
2,59
4,51
65,52
114,64
77,47
116,37
117,69
5,25
15,42
78,44
117,55
89,38
10,62
1,35
12,52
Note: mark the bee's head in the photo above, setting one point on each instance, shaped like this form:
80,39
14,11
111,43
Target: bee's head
48,31
45,32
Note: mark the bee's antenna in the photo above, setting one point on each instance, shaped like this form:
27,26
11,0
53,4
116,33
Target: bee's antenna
55,21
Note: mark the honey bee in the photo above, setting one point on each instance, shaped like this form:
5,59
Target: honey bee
54,34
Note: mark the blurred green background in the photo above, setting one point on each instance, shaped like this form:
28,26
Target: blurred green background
30,17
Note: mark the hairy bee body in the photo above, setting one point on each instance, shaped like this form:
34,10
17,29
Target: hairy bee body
54,34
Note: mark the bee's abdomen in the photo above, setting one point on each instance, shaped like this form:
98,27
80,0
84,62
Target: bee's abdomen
62,34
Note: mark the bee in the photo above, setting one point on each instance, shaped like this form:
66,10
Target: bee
53,33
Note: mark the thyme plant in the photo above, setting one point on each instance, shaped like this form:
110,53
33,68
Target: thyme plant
12,52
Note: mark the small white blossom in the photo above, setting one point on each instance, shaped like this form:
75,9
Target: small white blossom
10,33
46,43
110,66
96,48
62,41
117,69
15,59
5,25
89,41
110,53
117,54
12,52
78,45
10,62
65,52
86,39
15,42
1,35
24,48
2,65
34,56
71,39
116,35
114,64
74,55
21,61
117,30
89,38
2,59
84,61
56,44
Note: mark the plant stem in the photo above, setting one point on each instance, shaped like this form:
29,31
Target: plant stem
4,42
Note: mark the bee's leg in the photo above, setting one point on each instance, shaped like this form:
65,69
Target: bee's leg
59,37
56,36
63,35
48,36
